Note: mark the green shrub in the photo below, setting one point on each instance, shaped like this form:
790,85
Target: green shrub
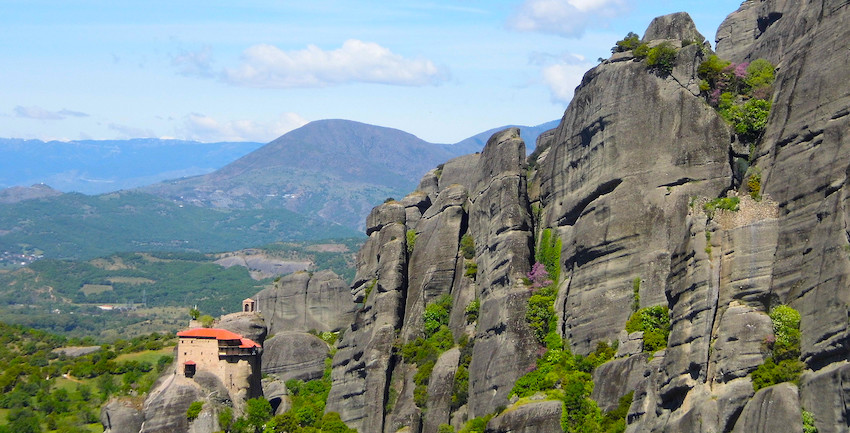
662,58
636,294
471,310
786,330
711,69
467,246
655,324
771,373
749,119
445,428
194,410
437,314
808,422
548,252
754,185
641,51
725,203
783,365
411,240
630,42
470,269
760,73
540,313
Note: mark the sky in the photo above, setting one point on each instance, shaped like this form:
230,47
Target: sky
252,70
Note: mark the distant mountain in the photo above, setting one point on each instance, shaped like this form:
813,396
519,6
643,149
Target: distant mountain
99,166
79,226
335,169
17,194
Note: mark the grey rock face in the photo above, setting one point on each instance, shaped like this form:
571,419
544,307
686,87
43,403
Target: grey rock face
677,26
772,409
440,391
166,406
120,416
295,355
617,378
824,393
529,418
363,361
301,302
618,197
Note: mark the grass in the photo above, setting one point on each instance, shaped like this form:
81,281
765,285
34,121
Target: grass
151,356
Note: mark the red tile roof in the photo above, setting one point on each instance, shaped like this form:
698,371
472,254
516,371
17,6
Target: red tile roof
247,343
218,334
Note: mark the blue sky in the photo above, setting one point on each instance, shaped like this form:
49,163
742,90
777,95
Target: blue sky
252,70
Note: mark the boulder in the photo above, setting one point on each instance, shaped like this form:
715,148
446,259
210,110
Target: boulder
121,415
166,405
772,409
295,355
678,26
305,301
544,416
248,325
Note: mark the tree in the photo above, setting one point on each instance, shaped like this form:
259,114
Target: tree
257,412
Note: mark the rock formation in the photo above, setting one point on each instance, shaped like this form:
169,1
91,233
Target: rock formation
625,182
622,182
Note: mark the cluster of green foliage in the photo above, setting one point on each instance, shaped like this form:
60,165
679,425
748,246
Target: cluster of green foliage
548,252
725,203
467,250
194,410
662,58
42,389
540,313
424,351
655,324
411,241
740,93
754,185
783,365
808,422
567,377
629,43
460,386
467,246
475,425
471,311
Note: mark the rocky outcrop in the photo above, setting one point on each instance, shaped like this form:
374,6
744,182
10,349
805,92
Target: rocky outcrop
295,355
306,301
166,405
248,325
121,415
363,362
773,409
544,416
619,199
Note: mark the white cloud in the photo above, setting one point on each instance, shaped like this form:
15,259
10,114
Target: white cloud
563,78
200,127
194,63
267,66
567,18
36,112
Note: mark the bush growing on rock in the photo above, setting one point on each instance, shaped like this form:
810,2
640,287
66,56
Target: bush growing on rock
655,324
662,58
783,365
630,42
194,410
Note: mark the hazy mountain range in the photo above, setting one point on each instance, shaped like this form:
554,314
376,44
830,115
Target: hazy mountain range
318,181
